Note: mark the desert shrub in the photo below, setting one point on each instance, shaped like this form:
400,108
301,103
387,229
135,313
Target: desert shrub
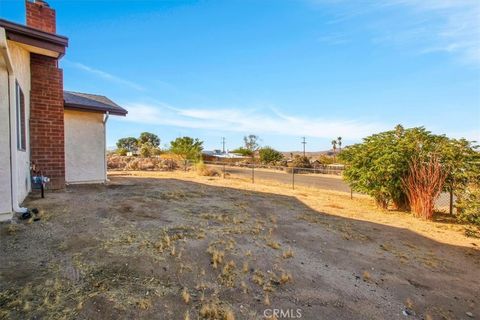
243,152
301,162
424,184
378,165
116,162
133,164
121,151
468,205
269,155
203,170
169,164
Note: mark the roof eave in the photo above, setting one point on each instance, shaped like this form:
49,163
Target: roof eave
34,37
80,107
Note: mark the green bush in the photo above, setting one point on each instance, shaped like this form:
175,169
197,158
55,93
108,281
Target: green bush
122,151
269,155
243,151
468,205
377,165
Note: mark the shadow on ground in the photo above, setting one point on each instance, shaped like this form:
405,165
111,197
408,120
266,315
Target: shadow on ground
166,248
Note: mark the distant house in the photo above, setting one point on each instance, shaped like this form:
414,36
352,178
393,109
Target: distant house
317,164
59,133
220,155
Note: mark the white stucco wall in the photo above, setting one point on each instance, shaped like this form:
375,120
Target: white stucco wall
5,192
84,147
21,65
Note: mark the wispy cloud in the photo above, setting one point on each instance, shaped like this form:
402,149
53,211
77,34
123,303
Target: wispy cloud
334,39
243,120
450,26
105,75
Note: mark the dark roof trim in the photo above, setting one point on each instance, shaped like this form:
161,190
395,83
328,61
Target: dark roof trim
91,103
34,37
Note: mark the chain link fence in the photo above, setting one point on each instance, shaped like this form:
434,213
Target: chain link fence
325,177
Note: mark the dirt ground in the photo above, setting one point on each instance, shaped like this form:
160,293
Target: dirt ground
180,246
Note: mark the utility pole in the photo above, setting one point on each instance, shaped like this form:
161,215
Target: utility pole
304,143
223,144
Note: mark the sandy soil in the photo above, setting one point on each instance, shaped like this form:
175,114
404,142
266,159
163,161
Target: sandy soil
178,246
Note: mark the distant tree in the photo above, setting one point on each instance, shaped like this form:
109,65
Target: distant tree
251,142
269,155
145,151
243,151
149,139
334,148
130,144
187,148
339,142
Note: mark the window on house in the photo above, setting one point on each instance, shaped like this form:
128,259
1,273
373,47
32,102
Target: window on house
21,127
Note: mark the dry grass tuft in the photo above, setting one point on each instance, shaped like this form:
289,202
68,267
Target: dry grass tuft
258,278
285,277
287,253
409,304
273,244
12,229
214,311
217,257
366,276
244,287
245,267
229,315
228,275
144,304
185,295
204,171
266,300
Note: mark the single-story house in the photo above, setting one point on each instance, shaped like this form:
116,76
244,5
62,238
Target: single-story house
58,133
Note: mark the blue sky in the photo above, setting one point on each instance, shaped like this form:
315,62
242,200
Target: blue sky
278,69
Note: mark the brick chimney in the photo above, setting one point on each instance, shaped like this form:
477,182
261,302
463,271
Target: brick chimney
47,132
40,16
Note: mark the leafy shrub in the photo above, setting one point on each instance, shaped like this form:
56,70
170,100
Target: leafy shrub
378,165
468,205
269,155
243,152
121,151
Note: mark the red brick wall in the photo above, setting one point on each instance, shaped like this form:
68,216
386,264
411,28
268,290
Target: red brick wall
47,133
40,16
